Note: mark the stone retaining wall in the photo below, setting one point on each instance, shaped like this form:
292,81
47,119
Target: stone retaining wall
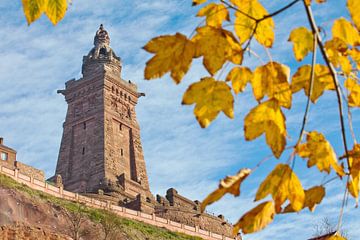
121,211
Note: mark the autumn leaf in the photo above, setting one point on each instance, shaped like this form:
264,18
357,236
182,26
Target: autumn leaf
308,2
354,168
355,55
303,39
354,88
33,9
56,10
354,9
335,236
313,197
216,46
354,188
282,184
320,153
215,14
210,97
239,77
267,118
198,2
256,219
344,30
231,184
272,80
174,54
322,81
336,50
245,26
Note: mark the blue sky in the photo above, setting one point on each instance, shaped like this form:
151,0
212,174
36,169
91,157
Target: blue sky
38,60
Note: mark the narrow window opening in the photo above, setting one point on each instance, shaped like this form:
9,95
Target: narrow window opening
83,151
120,126
122,152
84,125
103,52
4,156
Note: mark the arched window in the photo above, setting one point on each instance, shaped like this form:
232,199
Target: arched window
103,52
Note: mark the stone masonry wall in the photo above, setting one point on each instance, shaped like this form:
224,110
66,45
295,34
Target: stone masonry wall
180,209
121,211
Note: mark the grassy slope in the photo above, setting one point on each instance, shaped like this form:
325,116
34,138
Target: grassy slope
132,229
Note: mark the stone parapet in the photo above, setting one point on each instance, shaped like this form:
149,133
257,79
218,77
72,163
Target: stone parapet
120,211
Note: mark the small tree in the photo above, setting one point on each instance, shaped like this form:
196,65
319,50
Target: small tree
75,218
110,226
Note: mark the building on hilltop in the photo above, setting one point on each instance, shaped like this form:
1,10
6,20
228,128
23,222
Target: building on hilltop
8,160
101,154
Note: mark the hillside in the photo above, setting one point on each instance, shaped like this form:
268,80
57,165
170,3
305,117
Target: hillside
29,214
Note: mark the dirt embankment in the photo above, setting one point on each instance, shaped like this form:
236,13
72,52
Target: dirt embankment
27,214
25,217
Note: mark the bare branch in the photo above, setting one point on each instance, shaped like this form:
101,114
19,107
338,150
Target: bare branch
312,76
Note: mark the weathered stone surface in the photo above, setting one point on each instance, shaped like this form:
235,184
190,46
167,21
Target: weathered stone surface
100,147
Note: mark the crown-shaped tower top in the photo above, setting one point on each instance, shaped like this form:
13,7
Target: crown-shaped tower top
101,37
101,54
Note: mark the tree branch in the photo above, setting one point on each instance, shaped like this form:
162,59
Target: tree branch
333,74
312,76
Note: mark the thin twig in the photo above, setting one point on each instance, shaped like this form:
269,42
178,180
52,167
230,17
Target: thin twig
330,180
237,10
343,205
202,21
338,94
312,76
333,74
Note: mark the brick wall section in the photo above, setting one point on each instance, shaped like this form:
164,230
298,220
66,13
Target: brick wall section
121,211
180,209
11,163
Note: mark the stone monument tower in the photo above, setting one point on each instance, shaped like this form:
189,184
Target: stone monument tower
100,147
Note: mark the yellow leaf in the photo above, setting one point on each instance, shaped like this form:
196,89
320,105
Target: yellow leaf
282,183
33,9
256,219
335,236
216,45
239,77
313,196
320,153
215,14
308,2
354,9
211,97
56,10
198,2
322,81
272,80
354,168
354,187
267,118
231,184
174,54
302,39
355,55
336,50
245,26
344,30
354,88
